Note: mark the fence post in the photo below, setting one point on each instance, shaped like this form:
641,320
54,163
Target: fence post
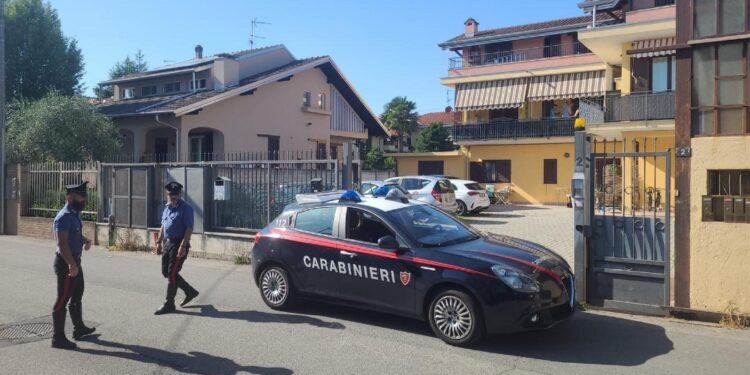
268,192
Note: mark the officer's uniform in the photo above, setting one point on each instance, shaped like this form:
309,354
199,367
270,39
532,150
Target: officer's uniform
69,289
175,220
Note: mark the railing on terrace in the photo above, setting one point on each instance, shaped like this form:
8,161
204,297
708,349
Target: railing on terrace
640,106
518,55
513,129
648,4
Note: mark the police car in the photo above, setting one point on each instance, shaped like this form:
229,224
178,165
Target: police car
409,258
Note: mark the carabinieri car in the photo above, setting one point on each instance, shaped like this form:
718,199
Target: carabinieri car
408,258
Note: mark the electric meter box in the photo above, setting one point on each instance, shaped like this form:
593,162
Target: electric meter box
222,189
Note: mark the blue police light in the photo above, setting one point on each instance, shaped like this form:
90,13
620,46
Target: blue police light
350,196
381,191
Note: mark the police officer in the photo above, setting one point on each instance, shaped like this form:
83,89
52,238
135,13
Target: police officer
67,265
173,243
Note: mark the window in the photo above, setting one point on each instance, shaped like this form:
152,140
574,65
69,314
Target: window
148,90
419,223
414,183
718,17
127,93
719,100
497,171
172,87
273,147
550,171
321,101
306,98
429,167
316,220
200,83
364,226
725,199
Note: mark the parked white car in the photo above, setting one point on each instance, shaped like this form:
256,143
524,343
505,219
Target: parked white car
367,188
433,190
470,197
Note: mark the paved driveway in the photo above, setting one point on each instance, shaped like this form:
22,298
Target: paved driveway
551,226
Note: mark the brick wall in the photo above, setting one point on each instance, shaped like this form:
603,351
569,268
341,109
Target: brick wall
41,227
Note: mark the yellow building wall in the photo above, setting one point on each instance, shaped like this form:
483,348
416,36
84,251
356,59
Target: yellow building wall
719,251
625,78
527,170
454,163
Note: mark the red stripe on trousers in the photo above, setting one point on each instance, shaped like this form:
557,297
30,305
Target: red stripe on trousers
66,290
175,266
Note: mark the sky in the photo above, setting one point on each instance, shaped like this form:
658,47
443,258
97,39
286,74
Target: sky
386,48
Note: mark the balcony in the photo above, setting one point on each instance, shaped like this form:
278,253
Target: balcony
648,4
640,106
506,57
513,129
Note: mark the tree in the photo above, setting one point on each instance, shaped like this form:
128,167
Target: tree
434,137
375,160
38,57
400,114
59,128
124,67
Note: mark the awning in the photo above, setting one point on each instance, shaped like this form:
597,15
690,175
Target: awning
653,47
566,86
505,93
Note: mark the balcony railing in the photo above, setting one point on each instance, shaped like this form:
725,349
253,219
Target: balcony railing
513,129
640,106
648,4
518,55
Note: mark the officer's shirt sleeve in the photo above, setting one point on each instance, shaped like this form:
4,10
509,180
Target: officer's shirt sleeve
63,223
187,216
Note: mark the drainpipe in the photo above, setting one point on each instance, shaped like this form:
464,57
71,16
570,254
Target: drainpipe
177,132
593,17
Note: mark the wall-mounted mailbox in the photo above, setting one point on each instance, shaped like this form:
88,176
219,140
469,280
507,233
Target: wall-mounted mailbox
316,185
747,210
739,209
729,209
222,189
708,208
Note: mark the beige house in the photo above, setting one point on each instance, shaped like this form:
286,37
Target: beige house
255,100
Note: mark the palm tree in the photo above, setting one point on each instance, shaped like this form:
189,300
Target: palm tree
400,114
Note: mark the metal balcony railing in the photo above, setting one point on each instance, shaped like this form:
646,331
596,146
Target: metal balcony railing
513,129
518,55
640,106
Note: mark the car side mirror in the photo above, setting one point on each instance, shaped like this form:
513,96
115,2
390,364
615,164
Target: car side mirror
388,243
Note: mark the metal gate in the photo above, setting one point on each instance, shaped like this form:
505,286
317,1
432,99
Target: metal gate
628,252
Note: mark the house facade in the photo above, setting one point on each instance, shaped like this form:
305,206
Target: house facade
261,100
713,167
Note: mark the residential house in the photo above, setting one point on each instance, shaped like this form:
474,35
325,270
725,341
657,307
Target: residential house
261,99
445,117
713,163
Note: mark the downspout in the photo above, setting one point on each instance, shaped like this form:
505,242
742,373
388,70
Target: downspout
177,132
593,17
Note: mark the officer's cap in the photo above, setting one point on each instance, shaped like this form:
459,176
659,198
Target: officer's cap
79,189
173,187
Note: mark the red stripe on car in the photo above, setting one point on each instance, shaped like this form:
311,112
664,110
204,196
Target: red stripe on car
530,264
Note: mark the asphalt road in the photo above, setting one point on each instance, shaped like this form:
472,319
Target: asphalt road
228,330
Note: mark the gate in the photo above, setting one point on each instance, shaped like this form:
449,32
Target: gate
628,249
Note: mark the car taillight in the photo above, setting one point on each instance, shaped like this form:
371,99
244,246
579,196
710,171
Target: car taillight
473,193
257,237
436,195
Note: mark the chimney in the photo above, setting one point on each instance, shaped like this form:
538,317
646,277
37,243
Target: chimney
471,27
199,52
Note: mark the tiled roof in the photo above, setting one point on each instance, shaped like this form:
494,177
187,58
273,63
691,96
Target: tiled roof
440,117
126,107
532,27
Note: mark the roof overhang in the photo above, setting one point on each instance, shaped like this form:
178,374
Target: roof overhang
588,5
476,41
607,41
199,68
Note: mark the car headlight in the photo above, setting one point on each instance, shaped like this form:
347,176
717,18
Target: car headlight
515,280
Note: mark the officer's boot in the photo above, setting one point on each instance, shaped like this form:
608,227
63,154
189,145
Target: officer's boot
59,340
168,305
79,328
190,292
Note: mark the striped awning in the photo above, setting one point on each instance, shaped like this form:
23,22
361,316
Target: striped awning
506,93
567,86
653,47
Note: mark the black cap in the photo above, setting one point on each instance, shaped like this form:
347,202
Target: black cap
79,189
173,187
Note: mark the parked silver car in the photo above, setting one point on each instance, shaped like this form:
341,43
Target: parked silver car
433,190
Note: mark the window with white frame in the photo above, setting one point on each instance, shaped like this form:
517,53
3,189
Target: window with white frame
171,87
198,83
127,93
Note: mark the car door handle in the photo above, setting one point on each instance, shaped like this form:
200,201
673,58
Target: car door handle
351,255
427,268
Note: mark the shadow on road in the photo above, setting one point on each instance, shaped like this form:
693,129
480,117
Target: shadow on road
258,316
190,363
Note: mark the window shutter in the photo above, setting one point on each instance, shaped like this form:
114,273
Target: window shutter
550,171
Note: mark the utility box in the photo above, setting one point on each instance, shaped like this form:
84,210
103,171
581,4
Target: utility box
708,208
747,210
739,210
316,185
729,209
222,189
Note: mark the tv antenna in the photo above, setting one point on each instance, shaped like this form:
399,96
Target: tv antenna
254,24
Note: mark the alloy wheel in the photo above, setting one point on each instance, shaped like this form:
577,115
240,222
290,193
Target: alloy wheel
453,317
274,286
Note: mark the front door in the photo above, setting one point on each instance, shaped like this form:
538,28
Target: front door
374,276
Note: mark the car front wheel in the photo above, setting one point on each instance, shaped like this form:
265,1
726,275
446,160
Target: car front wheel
462,210
455,318
276,288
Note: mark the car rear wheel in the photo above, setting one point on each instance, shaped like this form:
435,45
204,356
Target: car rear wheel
276,288
455,318
462,210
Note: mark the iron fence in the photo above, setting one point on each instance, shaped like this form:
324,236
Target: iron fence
45,187
513,129
504,57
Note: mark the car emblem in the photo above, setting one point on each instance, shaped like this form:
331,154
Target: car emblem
405,278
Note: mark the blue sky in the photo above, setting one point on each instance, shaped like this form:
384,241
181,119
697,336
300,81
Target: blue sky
386,48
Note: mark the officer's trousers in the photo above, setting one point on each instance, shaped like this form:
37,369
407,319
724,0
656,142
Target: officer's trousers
171,266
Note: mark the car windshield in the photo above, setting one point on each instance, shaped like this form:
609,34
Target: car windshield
473,186
431,227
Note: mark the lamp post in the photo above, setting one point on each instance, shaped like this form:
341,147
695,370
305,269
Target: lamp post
2,116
